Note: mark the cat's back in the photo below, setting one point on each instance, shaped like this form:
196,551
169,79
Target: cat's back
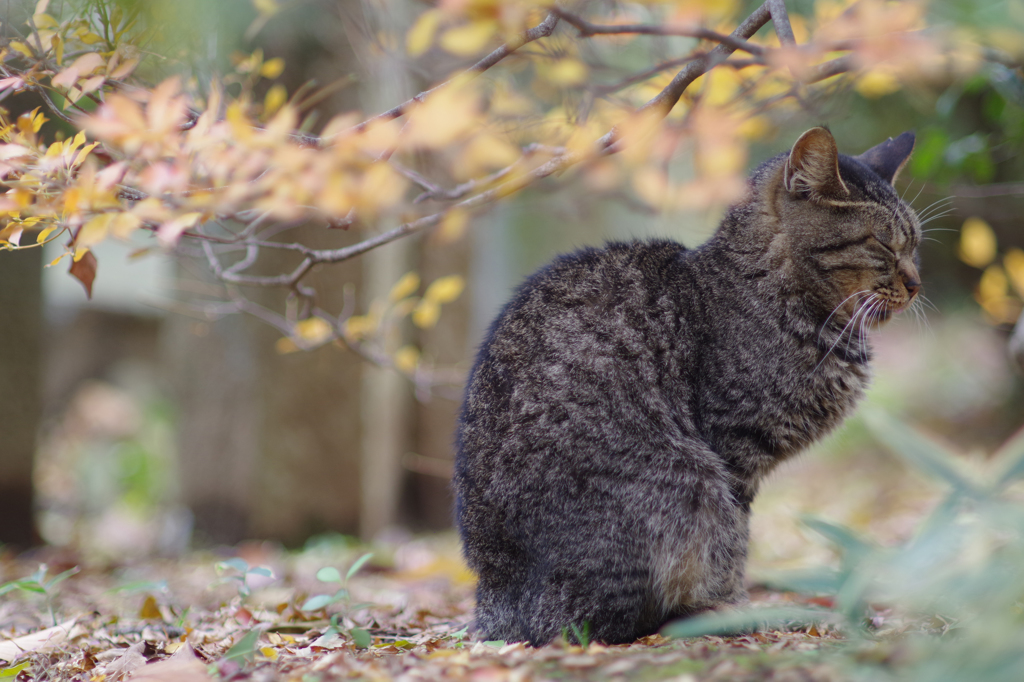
586,352
589,297
578,319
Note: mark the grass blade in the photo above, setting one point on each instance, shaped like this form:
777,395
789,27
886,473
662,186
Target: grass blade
921,453
745,621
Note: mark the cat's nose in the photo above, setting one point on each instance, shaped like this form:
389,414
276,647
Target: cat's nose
913,286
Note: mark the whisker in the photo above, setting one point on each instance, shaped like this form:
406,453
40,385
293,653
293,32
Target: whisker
936,216
934,204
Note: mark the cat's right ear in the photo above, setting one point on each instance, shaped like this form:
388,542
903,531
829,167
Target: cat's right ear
813,167
888,158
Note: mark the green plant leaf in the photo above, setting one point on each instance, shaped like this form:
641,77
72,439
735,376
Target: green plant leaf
235,563
359,563
25,585
361,638
140,586
746,620
318,602
852,546
57,579
7,673
921,453
245,648
261,570
328,574
812,581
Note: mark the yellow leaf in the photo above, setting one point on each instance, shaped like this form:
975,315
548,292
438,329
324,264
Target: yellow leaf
83,66
567,72
406,359
41,6
150,610
71,198
277,95
486,152
272,68
95,230
80,252
57,41
406,286
446,116
21,47
285,345
90,38
44,233
426,314
269,652
44,21
421,35
169,232
360,326
1013,261
445,289
124,224
875,84
313,330
83,154
56,260
468,39
977,243
453,225
239,122
993,283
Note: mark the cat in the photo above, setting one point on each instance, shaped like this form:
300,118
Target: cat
627,402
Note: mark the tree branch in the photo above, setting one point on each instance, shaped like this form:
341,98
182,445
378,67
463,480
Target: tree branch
541,30
587,29
780,21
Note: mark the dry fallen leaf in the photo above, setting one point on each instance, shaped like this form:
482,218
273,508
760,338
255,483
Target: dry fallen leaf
37,641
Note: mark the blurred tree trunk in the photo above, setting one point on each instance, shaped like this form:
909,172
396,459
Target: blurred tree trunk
21,303
387,396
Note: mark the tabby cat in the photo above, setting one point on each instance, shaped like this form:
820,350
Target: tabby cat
628,400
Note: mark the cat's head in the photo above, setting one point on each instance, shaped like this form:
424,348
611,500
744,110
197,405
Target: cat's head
848,240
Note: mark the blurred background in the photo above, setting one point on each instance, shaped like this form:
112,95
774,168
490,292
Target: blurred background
137,425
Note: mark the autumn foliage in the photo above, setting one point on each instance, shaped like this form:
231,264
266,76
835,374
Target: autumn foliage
541,92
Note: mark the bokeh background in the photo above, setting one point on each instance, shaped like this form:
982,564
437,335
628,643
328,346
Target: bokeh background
156,426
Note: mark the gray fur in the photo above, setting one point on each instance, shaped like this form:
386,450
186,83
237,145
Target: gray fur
628,400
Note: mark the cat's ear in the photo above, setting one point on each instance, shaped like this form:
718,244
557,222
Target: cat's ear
813,166
888,158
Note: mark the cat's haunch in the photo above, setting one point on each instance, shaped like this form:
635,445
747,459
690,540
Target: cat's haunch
628,400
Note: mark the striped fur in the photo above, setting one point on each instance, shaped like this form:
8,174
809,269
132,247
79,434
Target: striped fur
627,402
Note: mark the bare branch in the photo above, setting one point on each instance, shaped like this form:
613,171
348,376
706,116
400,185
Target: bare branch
541,30
780,20
829,69
669,96
587,29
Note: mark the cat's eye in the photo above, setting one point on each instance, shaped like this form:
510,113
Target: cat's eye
885,246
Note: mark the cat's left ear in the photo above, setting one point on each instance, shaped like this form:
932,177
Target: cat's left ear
888,158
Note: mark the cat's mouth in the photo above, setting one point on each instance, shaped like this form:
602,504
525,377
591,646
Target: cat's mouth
882,311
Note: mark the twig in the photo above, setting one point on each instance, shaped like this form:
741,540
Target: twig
541,30
587,29
669,96
780,21
829,69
